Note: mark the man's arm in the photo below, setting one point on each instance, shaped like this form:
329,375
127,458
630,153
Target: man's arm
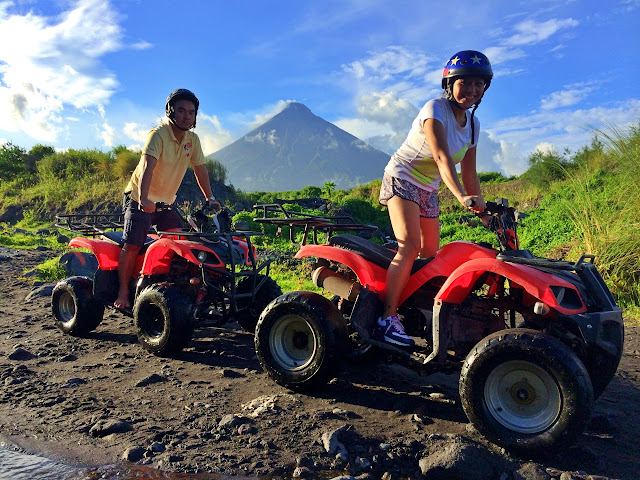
202,177
145,181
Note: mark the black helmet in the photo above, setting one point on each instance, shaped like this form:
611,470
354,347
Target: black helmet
467,63
180,94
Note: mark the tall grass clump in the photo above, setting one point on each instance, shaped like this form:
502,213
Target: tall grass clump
604,206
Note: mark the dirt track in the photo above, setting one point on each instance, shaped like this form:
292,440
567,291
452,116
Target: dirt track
97,400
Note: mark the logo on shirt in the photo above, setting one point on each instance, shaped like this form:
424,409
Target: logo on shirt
187,148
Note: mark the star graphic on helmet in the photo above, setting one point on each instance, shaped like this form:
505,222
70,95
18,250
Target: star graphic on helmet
454,60
476,59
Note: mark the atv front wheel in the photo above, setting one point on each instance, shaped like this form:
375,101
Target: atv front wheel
526,391
248,314
163,319
74,307
299,339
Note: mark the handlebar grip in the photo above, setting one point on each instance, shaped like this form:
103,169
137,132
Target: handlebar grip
470,202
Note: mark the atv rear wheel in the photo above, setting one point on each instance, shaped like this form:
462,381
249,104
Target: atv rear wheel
526,391
299,339
248,314
75,309
163,319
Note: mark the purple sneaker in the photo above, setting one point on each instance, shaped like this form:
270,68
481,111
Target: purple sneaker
390,330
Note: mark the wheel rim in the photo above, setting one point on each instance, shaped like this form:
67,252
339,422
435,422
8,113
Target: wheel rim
522,397
152,321
66,308
293,342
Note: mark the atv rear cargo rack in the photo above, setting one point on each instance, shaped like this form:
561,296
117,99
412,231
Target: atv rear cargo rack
91,224
276,214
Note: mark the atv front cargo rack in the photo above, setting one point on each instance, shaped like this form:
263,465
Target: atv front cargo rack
276,214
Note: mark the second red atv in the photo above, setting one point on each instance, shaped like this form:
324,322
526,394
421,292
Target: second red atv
535,340
202,272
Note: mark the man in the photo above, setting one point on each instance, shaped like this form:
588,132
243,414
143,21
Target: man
167,153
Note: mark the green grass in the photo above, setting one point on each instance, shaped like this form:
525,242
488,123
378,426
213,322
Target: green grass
586,203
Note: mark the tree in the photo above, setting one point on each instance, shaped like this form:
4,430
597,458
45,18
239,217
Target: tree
11,160
328,188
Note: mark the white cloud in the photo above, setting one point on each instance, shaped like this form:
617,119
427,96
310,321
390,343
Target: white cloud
570,95
135,132
383,120
545,148
212,136
54,66
559,130
267,113
529,32
263,137
107,134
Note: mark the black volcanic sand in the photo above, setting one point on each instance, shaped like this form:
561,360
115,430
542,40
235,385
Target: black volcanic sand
102,400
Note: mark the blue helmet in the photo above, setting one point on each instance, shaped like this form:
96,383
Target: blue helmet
467,63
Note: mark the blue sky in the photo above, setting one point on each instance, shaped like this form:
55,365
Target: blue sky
95,73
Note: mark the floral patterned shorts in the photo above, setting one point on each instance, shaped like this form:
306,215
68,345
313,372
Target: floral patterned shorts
425,199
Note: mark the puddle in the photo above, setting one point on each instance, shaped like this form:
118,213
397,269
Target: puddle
22,466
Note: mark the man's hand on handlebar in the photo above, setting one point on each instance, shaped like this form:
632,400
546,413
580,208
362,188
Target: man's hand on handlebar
212,205
147,205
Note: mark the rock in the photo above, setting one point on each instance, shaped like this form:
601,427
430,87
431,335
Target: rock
602,424
572,476
246,429
331,443
230,421
303,472
157,447
43,291
73,382
107,427
151,379
68,358
531,471
460,458
21,354
242,225
133,454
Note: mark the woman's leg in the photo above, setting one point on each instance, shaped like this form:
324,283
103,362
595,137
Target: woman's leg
430,236
406,223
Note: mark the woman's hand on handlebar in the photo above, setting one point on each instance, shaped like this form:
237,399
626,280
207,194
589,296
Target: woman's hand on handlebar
474,203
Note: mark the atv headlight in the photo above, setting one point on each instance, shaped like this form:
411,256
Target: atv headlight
202,256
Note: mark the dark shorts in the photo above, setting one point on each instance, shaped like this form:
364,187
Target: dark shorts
137,223
425,199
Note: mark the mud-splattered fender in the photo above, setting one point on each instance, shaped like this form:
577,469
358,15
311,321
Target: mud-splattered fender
158,257
107,253
369,274
537,283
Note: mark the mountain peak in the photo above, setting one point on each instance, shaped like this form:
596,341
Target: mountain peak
296,148
296,107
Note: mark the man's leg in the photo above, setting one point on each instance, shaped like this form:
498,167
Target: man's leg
126,266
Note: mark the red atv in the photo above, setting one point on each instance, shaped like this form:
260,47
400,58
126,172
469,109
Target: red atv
200,272
535,340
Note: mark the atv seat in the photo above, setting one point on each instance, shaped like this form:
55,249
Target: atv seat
373,252
116,237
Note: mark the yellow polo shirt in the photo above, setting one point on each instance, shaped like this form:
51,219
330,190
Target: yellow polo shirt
173,160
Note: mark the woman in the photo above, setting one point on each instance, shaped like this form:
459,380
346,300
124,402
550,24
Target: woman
442,135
